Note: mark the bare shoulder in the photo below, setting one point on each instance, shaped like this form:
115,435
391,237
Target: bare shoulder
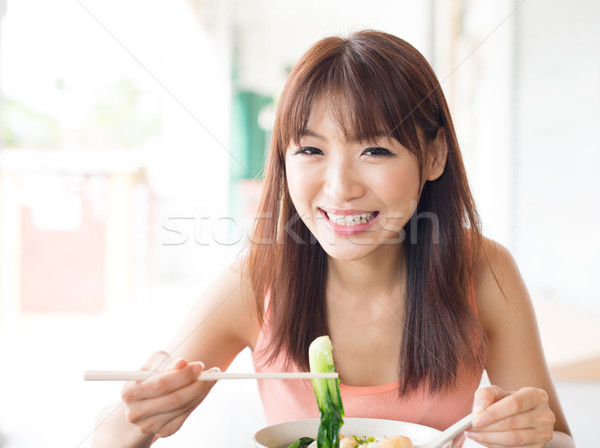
499,288
222,322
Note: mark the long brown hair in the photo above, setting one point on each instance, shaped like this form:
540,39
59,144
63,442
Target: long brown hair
377,80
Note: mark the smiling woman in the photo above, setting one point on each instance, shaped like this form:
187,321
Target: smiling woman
367,232
363,129
374,212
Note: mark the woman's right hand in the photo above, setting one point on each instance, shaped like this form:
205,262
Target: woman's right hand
161,403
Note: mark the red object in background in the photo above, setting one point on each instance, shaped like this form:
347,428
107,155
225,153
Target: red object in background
63,271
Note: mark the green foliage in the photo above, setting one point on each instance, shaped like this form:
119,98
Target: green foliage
302,442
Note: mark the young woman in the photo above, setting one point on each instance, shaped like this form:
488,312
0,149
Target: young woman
367,232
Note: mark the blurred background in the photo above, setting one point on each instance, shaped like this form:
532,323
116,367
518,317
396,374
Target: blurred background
132,136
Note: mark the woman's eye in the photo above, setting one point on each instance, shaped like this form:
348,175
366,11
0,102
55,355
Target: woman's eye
308,150
377,151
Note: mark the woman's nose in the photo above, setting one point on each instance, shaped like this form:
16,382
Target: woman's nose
343,182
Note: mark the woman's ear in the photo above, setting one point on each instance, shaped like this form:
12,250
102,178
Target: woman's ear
437,154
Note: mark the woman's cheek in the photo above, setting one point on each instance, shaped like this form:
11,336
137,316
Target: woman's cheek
399,187
298,187
303,180
399,191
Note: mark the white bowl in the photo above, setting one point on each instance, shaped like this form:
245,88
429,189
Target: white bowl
282,434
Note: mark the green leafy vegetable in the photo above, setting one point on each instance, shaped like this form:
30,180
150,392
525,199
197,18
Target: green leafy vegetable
327,392
302,442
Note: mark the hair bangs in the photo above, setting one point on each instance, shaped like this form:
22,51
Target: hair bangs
364,97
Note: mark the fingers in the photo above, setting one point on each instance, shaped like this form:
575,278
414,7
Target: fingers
164,414
163,383
506,404
163,401
520,418
160,361
486,396
516,438
533,428
529,419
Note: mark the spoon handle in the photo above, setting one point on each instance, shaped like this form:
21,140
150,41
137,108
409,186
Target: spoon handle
448,434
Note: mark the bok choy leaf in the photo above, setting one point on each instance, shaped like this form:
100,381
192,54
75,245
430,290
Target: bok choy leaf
327,392
302,442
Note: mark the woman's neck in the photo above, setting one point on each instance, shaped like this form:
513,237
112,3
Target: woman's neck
378,275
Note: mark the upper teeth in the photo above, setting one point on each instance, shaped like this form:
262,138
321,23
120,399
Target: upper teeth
350,220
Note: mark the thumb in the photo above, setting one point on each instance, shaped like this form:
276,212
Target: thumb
197,366
177,364
486,396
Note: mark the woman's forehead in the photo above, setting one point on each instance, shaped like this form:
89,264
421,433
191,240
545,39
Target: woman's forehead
336,114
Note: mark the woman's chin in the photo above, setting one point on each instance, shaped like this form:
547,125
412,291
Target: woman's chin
348,251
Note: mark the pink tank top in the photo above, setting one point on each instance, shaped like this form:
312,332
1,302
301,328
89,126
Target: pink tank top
293,400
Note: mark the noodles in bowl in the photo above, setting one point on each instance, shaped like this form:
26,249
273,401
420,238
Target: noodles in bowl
282,435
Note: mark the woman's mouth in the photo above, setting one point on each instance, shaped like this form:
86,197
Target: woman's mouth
351,220
348,222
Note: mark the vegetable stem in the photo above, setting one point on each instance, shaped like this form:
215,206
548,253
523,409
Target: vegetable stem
327,392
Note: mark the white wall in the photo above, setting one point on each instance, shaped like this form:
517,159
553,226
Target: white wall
523,83
557,152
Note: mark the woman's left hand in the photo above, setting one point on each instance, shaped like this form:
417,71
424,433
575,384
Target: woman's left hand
519,419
